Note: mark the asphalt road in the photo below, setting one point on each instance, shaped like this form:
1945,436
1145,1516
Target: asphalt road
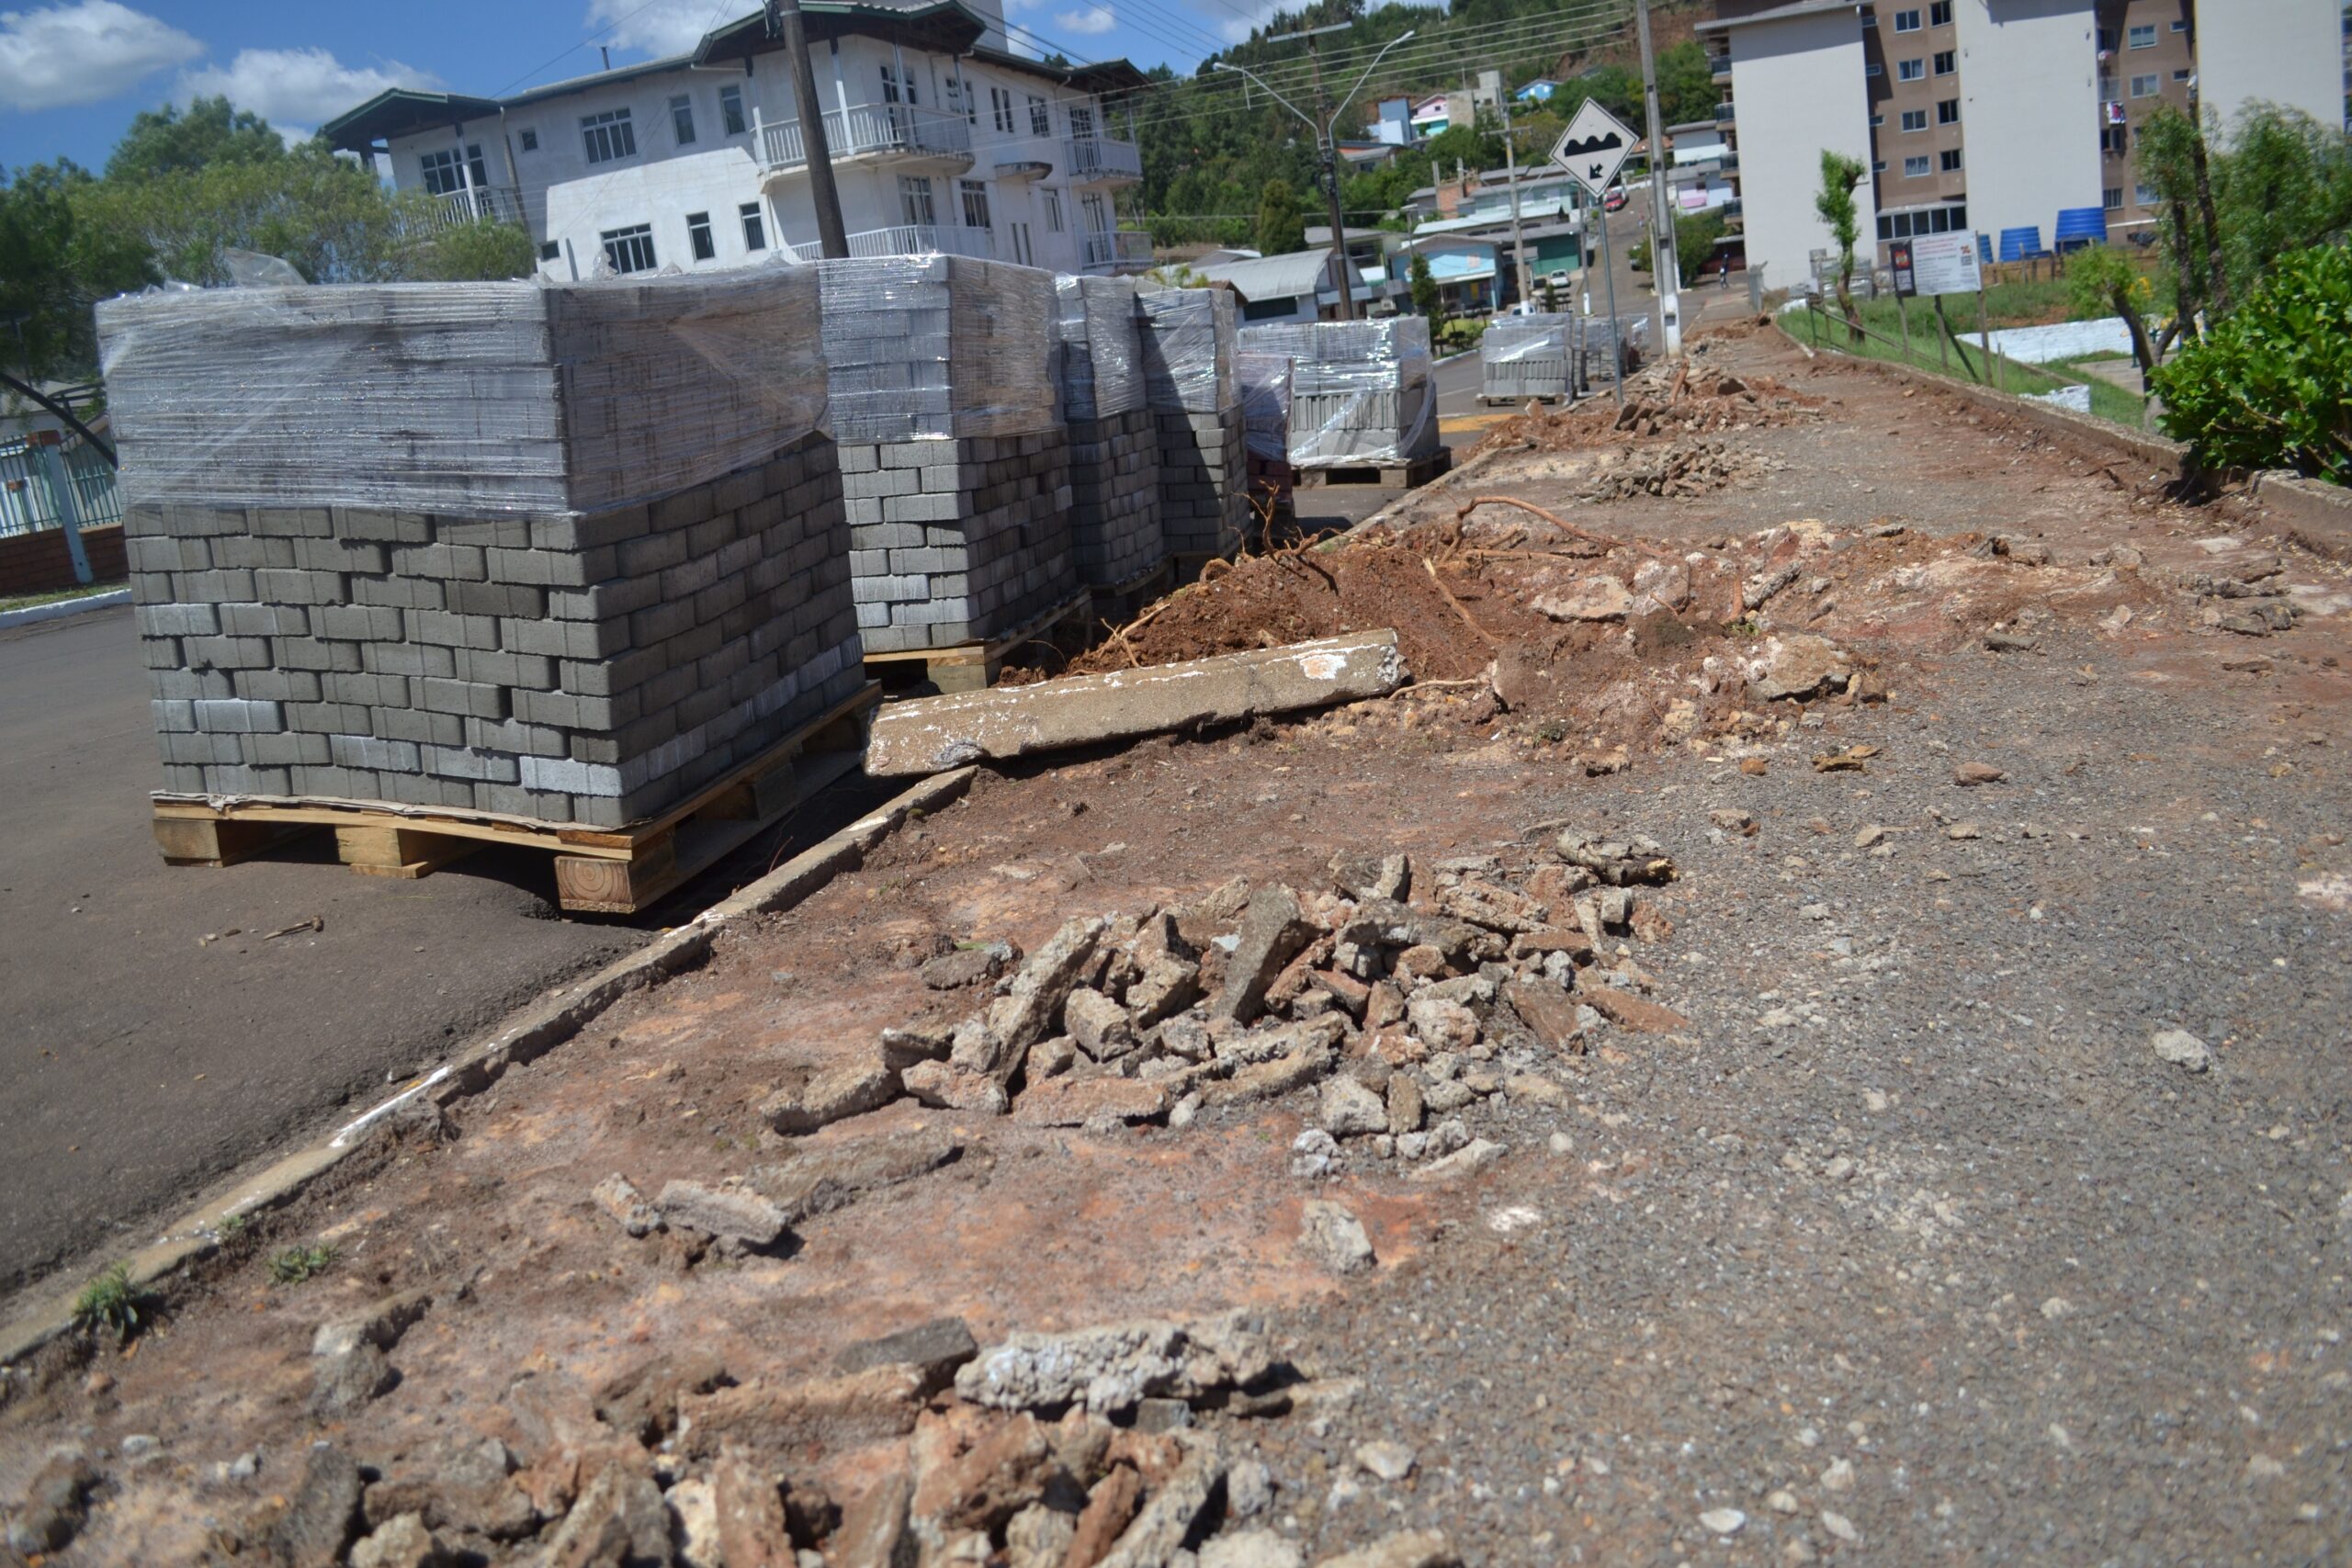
155,1036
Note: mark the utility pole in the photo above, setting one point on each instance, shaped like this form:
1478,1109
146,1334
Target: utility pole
783,21
1666,268
1326,139
1510,172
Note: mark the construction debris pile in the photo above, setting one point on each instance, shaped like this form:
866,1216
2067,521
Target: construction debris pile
1189,339
954,457
1687,468
1669,397
567,552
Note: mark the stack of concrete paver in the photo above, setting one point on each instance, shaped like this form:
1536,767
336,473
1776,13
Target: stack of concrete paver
1611,347
1265,380
1114,445
1528,357
1189,343
564,552
952,454
1361,392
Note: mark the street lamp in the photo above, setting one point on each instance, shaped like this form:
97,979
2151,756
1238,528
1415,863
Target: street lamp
1329,148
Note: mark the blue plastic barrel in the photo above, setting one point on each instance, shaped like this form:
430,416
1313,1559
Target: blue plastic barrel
2020,244
1984,248
2080,226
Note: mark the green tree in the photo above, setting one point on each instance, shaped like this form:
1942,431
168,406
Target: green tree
1282,223
1686,85
53,267
1694,241
483,251
1835,203
1426,300
165,141
326,215
2270,385
2103,281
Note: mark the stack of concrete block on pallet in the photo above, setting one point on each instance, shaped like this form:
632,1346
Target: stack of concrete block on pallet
1114,445
1265,382
568,553
1361,392
1188,342
954,457
1527,356
1611,347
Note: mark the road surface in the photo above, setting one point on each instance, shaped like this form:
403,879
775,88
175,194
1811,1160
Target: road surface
155,1036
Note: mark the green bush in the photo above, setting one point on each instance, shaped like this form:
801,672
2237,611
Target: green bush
1460,335
2270,385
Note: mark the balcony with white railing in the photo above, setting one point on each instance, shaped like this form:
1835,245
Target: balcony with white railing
1097,160
1115,250
913,240
883,132
498,204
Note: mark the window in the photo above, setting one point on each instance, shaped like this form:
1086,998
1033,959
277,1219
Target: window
443,175
2113,141
2102,39
1947,61
698,236
1906,21
530,141
2183,74
1021,250
914,200
2144,36
551,251
629,250
953,92
1878,165
1948,112
608,135
1869,16
1940,14
1053,212
1041,118
1877,118
2111,198
682,119
2179,27
1910,70
1917,168
1081,122
1870,68
1000,108
891,90
1914,119
2147,87
976,203
2145,193
755,228
731,111
1949,160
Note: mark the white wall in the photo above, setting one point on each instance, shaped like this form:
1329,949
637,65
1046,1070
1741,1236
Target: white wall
2028,87
1799,89
2289,51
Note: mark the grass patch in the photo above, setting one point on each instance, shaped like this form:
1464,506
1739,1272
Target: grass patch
294,1264
81,591
2108,401
110,1302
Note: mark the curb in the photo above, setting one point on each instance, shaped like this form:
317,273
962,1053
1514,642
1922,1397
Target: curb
523,1037
60,608
2317,514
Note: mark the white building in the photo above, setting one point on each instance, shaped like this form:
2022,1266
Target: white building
939,142
2029,91
2290,52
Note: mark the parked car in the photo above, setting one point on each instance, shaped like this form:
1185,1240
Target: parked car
1614,201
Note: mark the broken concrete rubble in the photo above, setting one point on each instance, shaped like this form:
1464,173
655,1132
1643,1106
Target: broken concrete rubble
933,734
1112,1368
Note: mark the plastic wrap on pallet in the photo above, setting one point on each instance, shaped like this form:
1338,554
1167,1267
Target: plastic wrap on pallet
477,399
1101,362
938,348
1264,380
1361,392
1189,341
1528,357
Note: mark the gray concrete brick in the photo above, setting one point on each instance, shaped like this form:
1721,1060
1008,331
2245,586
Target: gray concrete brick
235,715
276,686
369,752
415,724
464,697
460,762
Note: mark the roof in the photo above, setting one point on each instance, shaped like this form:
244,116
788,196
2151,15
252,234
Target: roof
1777,14
947,25
1321,233
1275,277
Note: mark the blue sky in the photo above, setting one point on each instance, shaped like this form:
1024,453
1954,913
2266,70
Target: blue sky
73,72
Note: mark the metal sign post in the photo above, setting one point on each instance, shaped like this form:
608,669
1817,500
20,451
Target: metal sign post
1898,261
1592,149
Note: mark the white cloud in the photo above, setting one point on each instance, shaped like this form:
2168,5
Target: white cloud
83,54
663,26
298,86
1093,21
1258,13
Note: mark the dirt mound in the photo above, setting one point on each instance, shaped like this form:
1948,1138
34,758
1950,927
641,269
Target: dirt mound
1686,398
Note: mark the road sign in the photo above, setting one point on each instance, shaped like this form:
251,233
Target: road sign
1594,147
1945,263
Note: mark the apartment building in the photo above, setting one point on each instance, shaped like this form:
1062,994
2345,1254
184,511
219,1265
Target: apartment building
1990,115
940,141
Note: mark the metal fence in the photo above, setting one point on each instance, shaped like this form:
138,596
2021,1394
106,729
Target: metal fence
29,477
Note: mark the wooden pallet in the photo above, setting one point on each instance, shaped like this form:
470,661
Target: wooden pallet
973,665
1123,602
617,870
1523,399
1387,476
